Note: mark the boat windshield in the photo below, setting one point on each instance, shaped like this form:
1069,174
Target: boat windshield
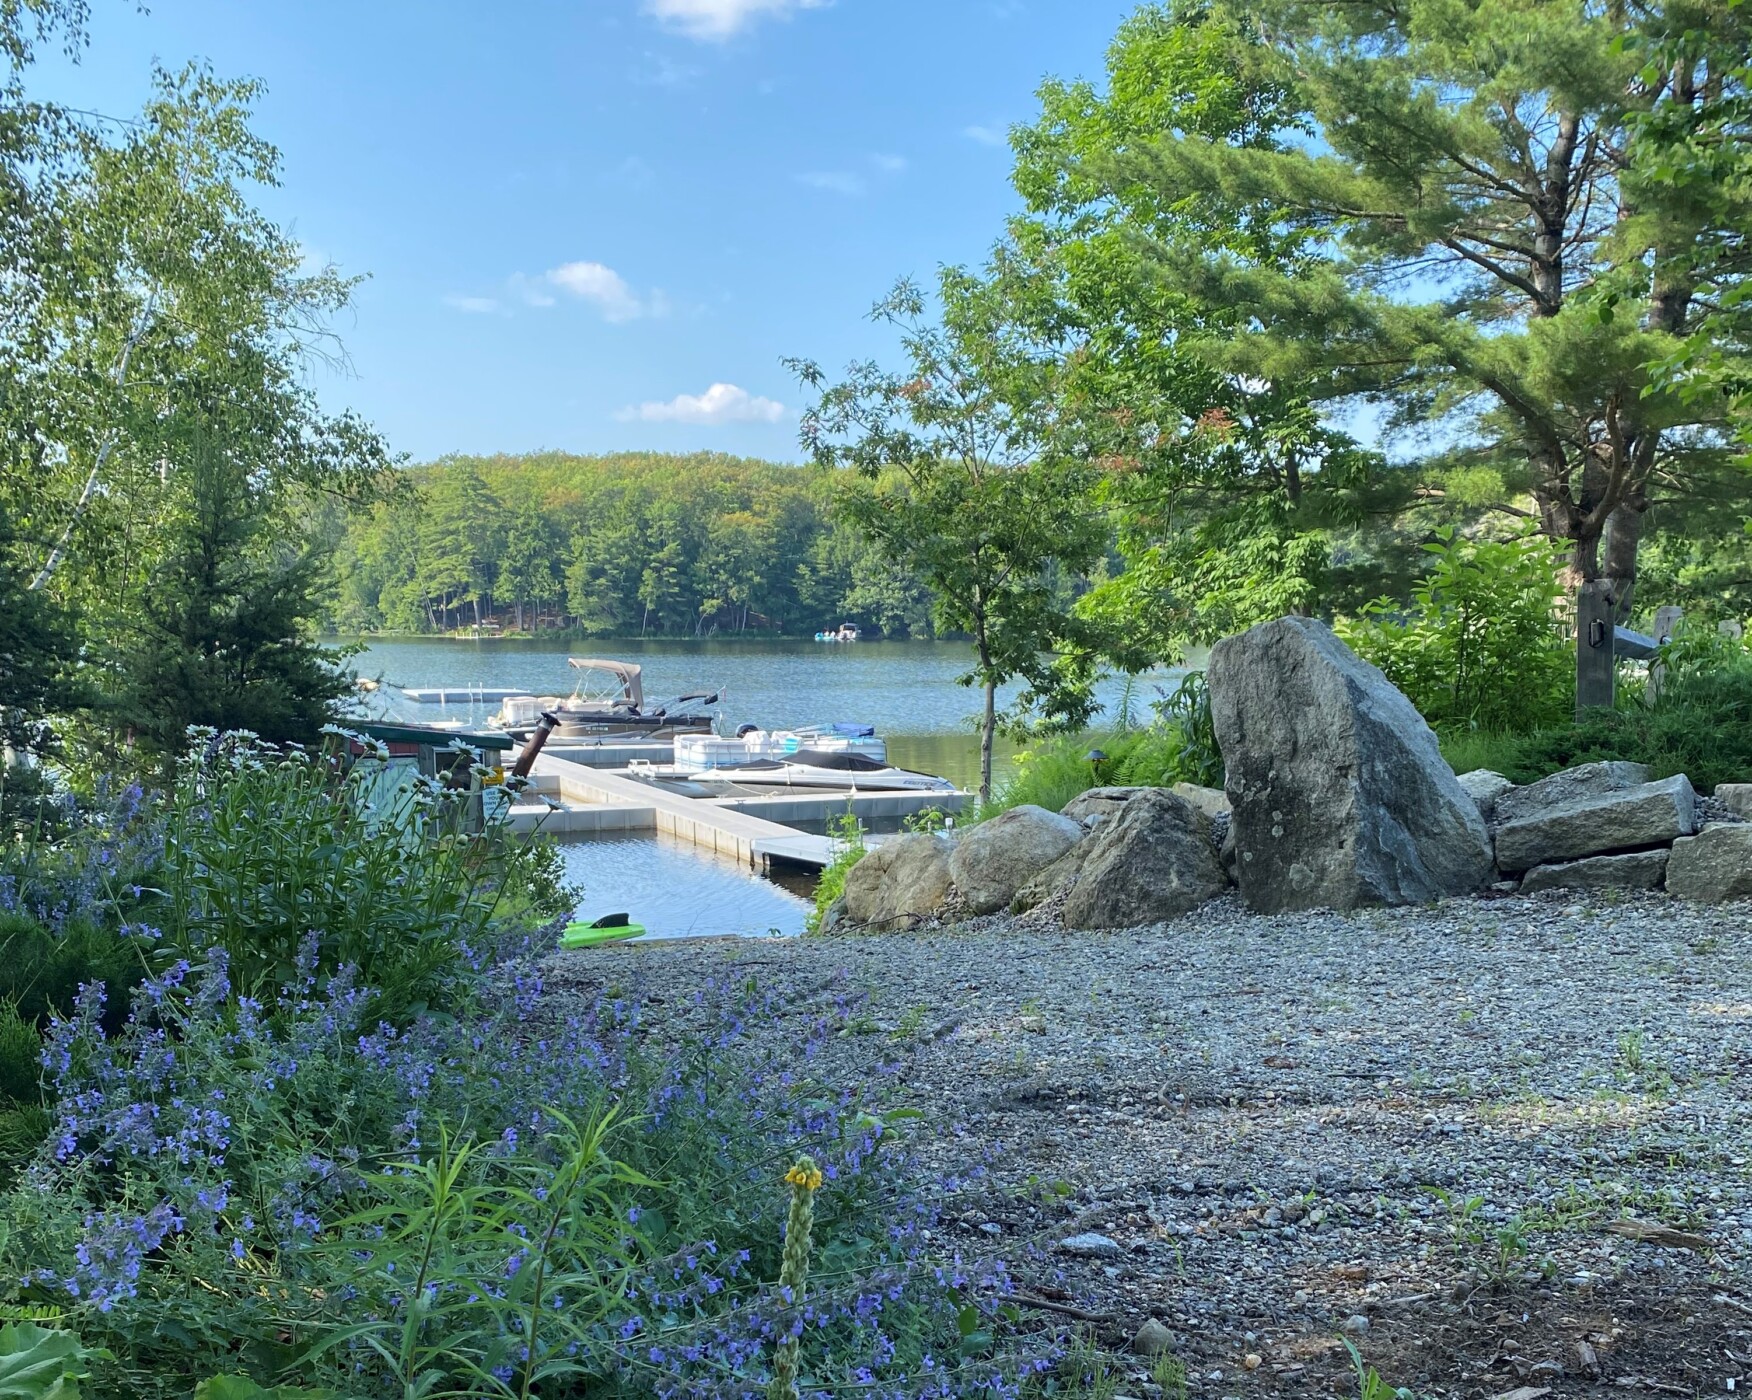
607,682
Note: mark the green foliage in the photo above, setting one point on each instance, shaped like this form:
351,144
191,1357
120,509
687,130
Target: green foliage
39,1363
267,852
1187,709
1483,645
243,1388
439,1225
958,475
1462,260
1699,723
150,305
42,968
223,638
1054,771
849,848
1224,489
621,545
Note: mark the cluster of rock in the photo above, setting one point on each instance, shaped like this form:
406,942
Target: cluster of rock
1336,797
1607,826
1114,858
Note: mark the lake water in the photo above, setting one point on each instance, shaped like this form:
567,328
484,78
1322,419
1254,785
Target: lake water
907,690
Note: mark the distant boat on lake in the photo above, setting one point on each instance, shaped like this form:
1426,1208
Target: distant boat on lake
848,632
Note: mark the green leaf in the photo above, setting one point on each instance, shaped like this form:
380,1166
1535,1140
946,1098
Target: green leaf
243,1388
38,1363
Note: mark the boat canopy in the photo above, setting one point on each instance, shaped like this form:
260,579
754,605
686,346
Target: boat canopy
631,687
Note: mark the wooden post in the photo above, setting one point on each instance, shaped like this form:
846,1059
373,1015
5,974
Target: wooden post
1667,619
1596,659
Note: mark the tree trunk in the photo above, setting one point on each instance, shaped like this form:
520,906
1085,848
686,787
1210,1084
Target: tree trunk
987,727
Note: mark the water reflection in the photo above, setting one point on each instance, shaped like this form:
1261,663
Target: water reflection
679,890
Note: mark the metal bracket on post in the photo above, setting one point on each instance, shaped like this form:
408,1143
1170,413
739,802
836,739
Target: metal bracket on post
1596,647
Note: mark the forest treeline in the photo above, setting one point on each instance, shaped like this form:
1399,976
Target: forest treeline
629,544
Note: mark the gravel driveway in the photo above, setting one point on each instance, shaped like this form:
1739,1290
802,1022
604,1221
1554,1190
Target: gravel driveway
1500,1145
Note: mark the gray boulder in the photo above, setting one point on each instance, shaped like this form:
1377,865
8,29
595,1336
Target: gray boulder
1713,866
995,859
1211,801
1571,785
899,883
1153,861
1736,797
1619,819
1098,803
1060,875
1340,794
1484,787
1636,870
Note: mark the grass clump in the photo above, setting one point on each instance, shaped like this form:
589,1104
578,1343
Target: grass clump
847,833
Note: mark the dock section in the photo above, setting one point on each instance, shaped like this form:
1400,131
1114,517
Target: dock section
733,834
747,829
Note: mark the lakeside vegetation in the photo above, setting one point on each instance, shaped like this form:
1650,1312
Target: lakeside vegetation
628,545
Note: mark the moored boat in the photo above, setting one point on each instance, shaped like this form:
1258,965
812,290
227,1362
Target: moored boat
608,702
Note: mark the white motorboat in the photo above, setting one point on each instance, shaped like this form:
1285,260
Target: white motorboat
701,753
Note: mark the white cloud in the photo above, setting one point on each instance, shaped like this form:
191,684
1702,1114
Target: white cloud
477,306
717,20
833,181
986,135
893,165
722,403
601,286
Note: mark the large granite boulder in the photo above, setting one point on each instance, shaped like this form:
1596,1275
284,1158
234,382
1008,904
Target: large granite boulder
898,884
1097,804
995,859
1340,794
1636,870
1153,861
1714,865
1617,819
1571,785
1484,787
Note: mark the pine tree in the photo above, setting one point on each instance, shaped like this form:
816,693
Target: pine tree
1485,268
225,639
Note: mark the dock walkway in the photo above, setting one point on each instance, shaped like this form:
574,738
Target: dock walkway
750,839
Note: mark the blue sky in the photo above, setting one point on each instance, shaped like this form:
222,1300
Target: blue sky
579,218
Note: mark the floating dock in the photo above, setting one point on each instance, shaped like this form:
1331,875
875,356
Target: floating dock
460,694
750,830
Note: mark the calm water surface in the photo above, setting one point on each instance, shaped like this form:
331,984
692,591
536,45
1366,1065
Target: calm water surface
907,690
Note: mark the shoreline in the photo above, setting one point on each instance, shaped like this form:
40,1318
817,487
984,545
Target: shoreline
1408,1129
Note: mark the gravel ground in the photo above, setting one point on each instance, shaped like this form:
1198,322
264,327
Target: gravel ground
1433,1131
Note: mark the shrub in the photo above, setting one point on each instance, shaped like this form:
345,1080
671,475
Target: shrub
1053,772
1699,722
1483,644
263,848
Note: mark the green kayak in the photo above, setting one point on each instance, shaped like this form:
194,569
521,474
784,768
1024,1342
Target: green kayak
610,928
